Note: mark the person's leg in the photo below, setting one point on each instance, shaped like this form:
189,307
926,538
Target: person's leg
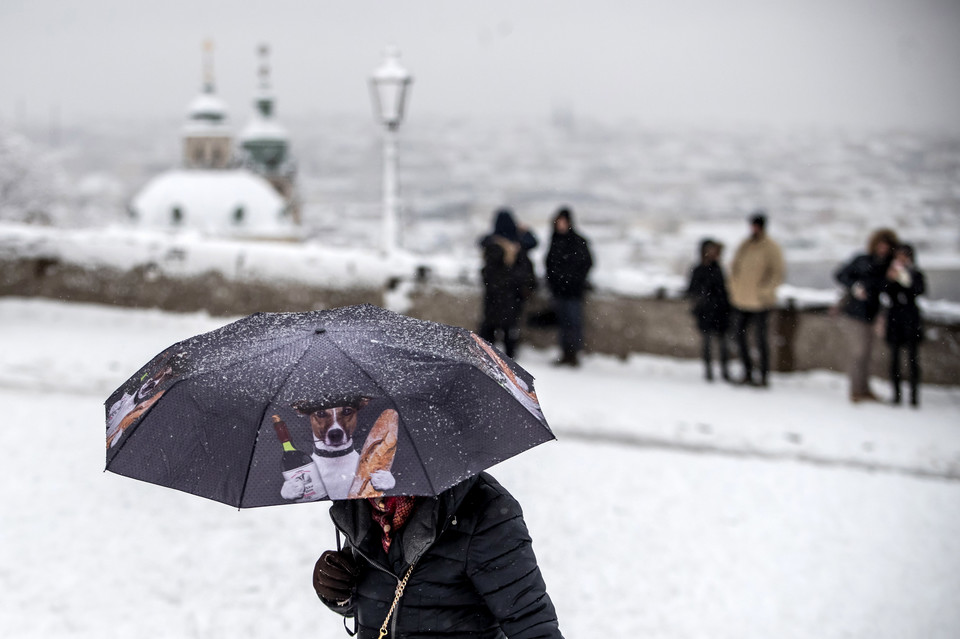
861,343
724,356
895,371
487,330
913,361
763,346
511,337
743,323
576,325
565,329
705,355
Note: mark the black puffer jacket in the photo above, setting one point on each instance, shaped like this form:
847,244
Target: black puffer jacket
904,323
568,263
868,272
708,290
476,574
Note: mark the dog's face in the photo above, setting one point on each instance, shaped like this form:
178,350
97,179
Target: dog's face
333,428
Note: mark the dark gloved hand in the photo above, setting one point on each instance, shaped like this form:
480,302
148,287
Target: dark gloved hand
335,576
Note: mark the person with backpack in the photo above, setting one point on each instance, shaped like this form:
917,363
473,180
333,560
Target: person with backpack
508,280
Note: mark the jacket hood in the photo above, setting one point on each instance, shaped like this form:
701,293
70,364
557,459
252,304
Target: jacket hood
565,213
505,225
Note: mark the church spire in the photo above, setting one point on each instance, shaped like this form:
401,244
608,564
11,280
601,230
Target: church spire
264,101
208,83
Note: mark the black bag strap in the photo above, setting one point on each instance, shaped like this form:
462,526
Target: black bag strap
352,633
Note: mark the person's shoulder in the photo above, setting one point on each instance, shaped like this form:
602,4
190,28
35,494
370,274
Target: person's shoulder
488,492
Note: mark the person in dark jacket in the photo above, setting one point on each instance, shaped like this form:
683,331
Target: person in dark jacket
465,561
508,280
904,330
568,263
864,278
711,307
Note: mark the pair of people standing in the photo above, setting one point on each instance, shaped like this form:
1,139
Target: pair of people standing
756,271
888,268
509,279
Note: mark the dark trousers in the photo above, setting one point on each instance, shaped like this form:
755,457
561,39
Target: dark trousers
707,355
569,312
757,319
509,334
913,368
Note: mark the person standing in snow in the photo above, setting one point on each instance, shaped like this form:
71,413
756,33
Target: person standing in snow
863,279
711,308
568,263
457,565
755,273
904,329
508,280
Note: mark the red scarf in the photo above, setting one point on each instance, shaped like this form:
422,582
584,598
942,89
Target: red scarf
391,513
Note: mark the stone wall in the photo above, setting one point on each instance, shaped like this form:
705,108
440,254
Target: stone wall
617,325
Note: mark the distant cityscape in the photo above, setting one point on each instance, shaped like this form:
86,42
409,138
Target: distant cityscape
644,195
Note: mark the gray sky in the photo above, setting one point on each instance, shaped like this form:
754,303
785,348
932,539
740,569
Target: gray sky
782,62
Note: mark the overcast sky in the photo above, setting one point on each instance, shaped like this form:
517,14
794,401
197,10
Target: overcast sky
783,62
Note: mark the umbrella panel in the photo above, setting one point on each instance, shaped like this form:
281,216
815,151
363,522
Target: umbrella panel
453,405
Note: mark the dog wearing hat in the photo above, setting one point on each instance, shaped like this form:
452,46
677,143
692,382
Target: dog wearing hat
334,423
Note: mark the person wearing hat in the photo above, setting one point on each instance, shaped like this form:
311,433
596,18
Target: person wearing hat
711,307
756,271
508,278
567,264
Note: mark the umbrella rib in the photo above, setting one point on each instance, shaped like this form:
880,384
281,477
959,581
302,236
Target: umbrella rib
400,417
253,449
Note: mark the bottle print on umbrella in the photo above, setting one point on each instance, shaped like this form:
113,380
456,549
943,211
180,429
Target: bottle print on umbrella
297,465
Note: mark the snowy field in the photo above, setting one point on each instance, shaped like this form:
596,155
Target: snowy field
668,508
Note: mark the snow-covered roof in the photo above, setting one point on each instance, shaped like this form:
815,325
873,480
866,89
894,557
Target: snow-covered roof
233,201
260,128
207,106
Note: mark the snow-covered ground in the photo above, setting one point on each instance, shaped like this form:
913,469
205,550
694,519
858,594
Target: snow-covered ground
668,507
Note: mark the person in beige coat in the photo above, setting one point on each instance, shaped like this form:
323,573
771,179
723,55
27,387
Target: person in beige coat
755,273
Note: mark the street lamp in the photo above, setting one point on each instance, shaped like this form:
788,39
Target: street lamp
389,86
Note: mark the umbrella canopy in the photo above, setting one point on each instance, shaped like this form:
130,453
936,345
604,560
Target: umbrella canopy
348,403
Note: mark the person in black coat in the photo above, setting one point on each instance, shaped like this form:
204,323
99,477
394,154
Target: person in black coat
568,263
508,280
465,559
711,306
904,330
863,279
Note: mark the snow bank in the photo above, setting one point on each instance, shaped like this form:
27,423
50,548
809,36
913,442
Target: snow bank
772,529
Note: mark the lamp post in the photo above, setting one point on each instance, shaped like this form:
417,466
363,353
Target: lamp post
389,85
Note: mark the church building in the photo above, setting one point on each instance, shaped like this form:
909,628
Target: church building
221,190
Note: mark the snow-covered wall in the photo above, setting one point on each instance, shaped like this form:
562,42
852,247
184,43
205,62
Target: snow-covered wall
628,312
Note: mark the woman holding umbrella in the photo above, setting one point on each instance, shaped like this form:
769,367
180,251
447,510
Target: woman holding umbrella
460,564
433,405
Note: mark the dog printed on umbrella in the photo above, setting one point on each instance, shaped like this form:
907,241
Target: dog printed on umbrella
345,472
132,405
499,370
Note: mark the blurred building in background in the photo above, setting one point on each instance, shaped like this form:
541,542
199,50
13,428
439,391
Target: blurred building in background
220,189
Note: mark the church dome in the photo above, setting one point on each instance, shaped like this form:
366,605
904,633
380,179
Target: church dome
207,106
229,202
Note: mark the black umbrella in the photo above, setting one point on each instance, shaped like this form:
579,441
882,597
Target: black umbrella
348,403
